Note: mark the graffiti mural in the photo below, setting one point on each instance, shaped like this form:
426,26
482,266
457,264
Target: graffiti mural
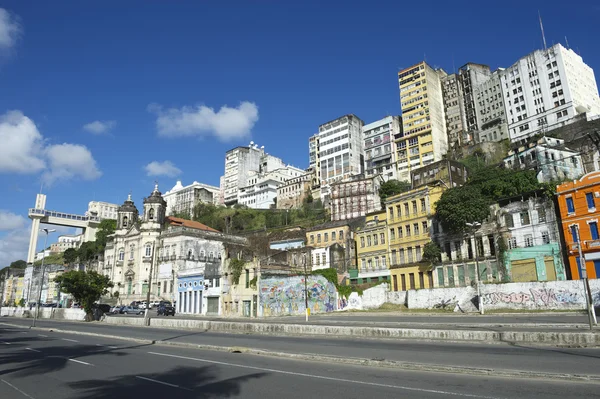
541,297
284,296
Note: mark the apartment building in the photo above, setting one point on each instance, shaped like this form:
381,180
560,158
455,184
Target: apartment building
182,199
380,147
65,242
490,111
293,192
261,188
355,197
546,88
104,210
372,250
423,139
238,162
453,110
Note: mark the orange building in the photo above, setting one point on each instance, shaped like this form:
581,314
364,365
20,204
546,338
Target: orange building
579,205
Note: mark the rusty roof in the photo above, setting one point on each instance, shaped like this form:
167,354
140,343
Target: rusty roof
174,221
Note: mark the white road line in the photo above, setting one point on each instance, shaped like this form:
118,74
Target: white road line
23,332
42,335
320,377
5,343
113,347
160,382
16,389
70,340
33,350
79,361
99,345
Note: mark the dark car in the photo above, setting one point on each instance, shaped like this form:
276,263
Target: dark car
103,307
165,309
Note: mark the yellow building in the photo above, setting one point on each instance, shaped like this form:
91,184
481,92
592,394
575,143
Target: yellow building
372,250
18,287
333,244
409,219
8,292
423,139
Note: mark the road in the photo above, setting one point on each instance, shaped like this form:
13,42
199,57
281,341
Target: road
539,359
35,365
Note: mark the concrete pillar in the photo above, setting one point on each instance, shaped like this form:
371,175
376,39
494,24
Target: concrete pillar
35,229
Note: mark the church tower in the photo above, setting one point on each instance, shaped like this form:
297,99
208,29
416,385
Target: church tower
127,214
155,208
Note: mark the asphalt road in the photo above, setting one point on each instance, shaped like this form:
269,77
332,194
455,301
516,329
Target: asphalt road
36,365
542,359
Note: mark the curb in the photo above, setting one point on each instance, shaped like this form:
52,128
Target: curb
383,363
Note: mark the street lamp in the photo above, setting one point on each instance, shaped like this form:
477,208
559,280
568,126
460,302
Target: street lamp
37,305
474,226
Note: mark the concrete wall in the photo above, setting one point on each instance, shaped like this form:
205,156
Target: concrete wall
45,313
280,296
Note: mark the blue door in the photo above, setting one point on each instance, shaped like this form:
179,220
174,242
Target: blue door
597,268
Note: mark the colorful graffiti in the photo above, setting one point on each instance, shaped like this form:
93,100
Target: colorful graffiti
535,297
284,296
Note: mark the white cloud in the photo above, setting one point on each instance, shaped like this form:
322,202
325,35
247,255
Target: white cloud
99,127
226,125
21,149
166,168
10,30
10,221
67,161
14,246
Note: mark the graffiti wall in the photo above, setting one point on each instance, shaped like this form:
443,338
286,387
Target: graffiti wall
554,295
285,296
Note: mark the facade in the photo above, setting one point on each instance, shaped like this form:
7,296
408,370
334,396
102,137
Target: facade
339,149
409,217
372,250
446,172
490,110
423,139
65,242
577,202
239,162
262,186
355,197
470,76
529,225
293,192
104,210
182,200
549,158
380,147
454,110
334,243
546,88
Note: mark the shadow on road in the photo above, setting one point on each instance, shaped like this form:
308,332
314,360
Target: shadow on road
179,382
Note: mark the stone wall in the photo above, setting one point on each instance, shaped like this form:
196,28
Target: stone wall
279,296
45,313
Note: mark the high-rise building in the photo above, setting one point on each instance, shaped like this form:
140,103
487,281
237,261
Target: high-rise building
337,150
453,110
470,76
546,89
423,139
238,162
104,210
489,106
182,200
380,147
261,188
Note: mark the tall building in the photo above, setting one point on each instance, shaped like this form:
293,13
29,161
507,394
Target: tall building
453,110
355,197
545,89
238,162
490,112
423,139
380,147
261,188
337,150
470,76
65,242
104,210
182,199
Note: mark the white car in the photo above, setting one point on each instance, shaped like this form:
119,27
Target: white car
154,304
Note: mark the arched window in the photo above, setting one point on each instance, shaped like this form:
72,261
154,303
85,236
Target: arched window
202,254
210,255
190,254
148,250
151,214
124,221
121,254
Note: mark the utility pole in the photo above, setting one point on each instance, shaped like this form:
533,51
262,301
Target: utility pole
474,226
586,284
37,305
305,288
147,310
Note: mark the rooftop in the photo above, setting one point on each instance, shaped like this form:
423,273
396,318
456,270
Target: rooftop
175,221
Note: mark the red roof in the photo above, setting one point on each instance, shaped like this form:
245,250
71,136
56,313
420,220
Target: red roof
173,221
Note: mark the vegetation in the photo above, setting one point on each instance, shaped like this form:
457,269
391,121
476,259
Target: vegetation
105,229
391,188
18,264
52,259
332,276
70,256
253,282
432,252
237,267
86,288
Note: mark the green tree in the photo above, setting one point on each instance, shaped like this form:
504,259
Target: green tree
105,229
87,252
86,288
70,256
391,188
432,252
18,264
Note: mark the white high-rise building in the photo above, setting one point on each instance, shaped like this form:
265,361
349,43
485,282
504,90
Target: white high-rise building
490,110
337,151
380,147
545,89
261,190
104,210
182,199
238,162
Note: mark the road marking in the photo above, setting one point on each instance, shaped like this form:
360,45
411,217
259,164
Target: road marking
23,332
42,335
99,345
70,340
16,389
160,382
79,361
113,347
320,377
5,343
33,350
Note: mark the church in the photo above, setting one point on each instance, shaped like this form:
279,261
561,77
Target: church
183,259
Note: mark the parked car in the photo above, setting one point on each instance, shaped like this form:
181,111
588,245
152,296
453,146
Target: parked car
165,310
154,304
103,307
115,309
132,310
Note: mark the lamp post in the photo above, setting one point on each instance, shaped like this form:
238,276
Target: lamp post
37,305
474,226
147,310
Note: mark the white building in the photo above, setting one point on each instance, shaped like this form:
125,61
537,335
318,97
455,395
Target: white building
183,199
104,210
292,192
490,110
380,147
339,149
549,157
261,189
238,162
546,88
65,242
355,197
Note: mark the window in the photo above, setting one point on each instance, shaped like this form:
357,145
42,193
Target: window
512,243
416,229
525,218
541,215
131,251
391,212
121,254
370,263
376,262
392,234
418,254
574,235
148,250
383,265
341,235
528,240
318,237
375,239
398,210
247,278
151,214
409,255
333,236
406,213
425,228
382,238
124,221
589,197
423,206
414,207
508,219
324,259
312,239
368,241
326,237
570,205
407,228
362,242
363,264
545,237
594,230
394,257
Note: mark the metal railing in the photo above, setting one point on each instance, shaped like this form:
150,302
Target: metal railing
62,215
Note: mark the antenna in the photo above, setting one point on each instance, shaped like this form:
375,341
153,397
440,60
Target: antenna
542,28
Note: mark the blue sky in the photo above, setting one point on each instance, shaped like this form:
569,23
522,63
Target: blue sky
101,98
